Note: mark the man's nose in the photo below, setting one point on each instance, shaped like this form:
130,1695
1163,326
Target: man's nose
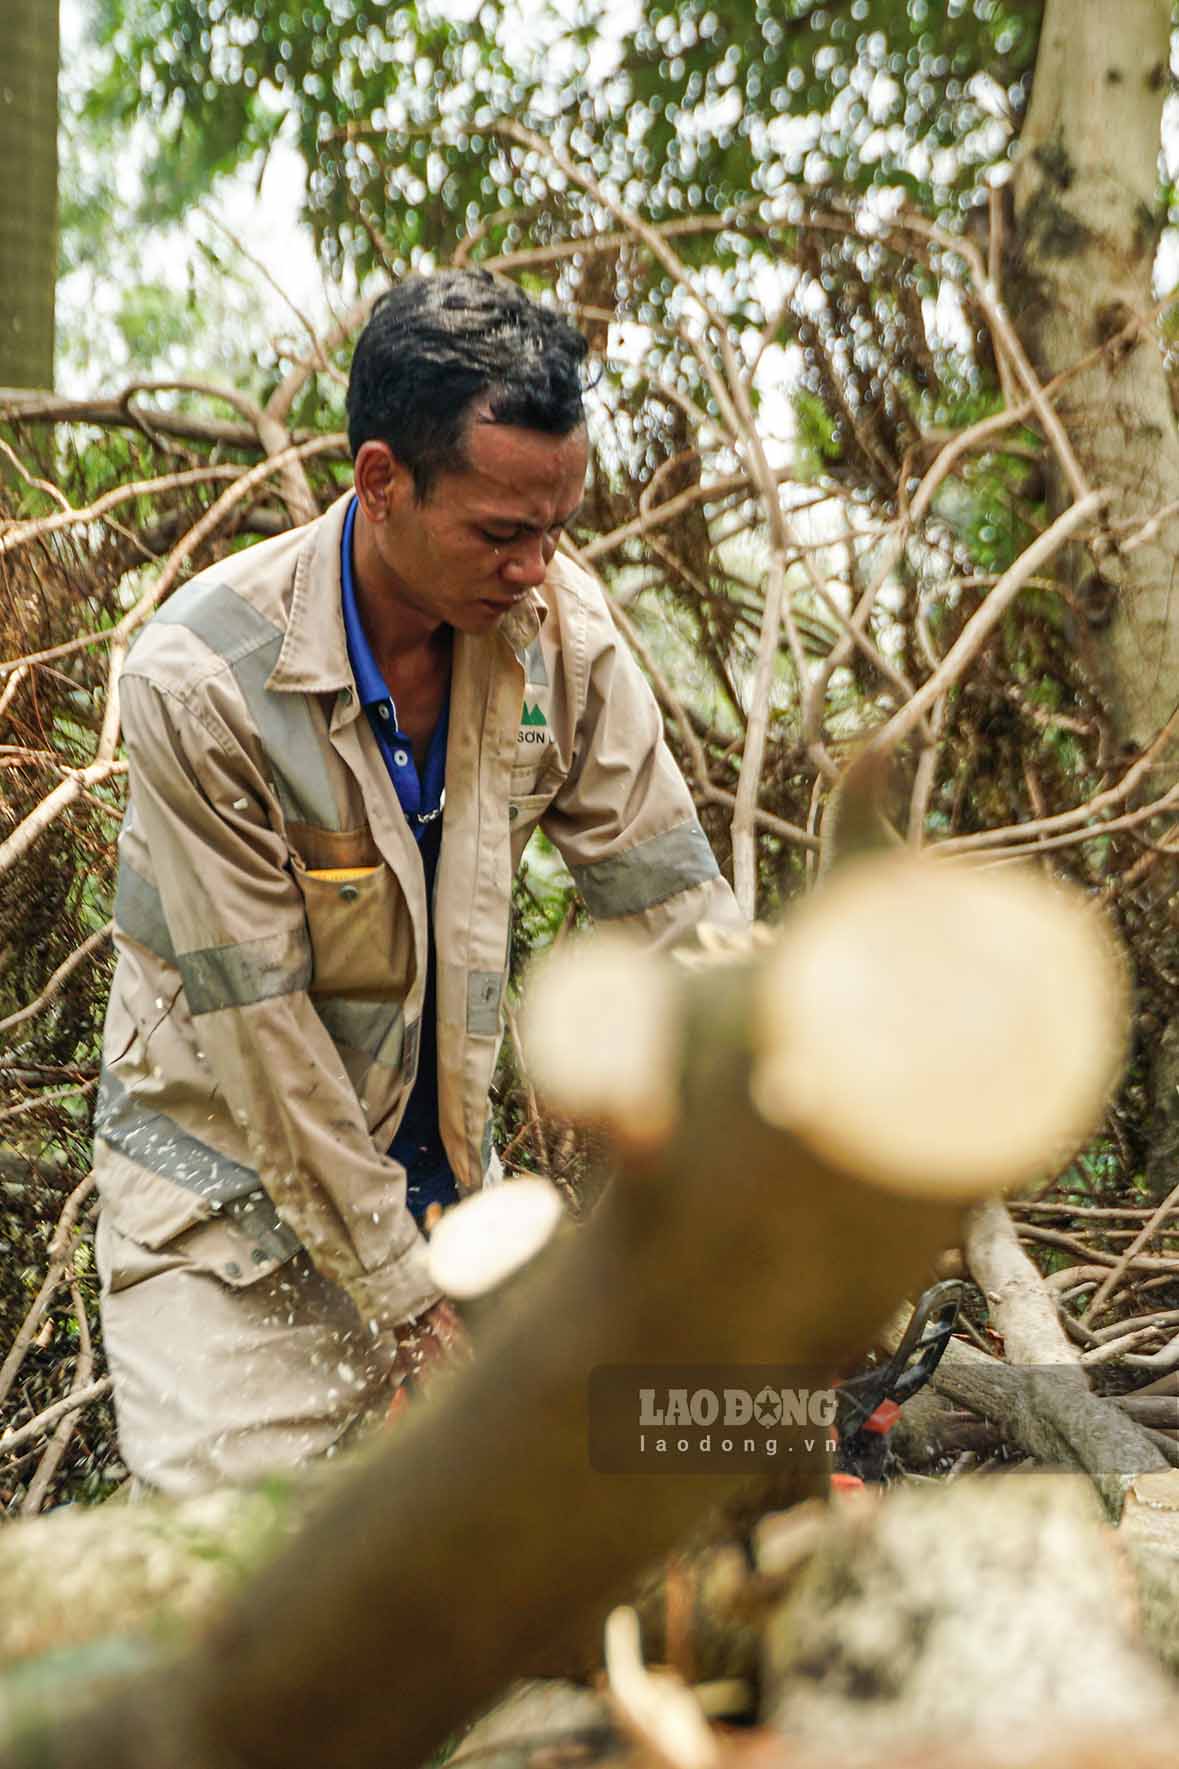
529,561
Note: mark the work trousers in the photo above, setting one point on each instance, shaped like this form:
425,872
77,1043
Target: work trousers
216,1385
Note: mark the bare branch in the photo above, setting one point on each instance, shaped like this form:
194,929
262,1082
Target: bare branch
56,1448
982,624
60,977
61,1251
22,534
16,1439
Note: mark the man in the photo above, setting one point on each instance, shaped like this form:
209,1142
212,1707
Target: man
340,741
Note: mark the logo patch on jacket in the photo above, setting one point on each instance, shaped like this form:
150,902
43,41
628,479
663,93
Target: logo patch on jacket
534,726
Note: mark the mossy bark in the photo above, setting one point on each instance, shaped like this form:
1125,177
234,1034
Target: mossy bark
1087,223
28,192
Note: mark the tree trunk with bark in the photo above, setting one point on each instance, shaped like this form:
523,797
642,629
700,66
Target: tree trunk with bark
1087,228
28,191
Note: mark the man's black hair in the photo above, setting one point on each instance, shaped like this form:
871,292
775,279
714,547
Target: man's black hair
436,344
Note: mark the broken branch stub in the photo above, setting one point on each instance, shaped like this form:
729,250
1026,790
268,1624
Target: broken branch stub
483,1244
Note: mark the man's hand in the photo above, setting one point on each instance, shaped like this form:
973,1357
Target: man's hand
435,1341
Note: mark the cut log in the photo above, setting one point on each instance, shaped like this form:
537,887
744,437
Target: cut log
122,1570
483,1541
959,1613
1149,1534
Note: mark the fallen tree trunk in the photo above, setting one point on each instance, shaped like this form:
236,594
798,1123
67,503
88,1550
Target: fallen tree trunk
762,1217
1091,1433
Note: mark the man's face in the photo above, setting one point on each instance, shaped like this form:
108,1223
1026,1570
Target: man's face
485,533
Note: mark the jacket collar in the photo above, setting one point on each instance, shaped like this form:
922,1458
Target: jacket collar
521,624
313,658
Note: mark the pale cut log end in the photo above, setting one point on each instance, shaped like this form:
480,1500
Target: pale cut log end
484,1241
601,1037
936,1029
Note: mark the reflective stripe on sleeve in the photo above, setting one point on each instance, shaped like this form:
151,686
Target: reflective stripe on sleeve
648,873
256,1218
254,970
249,643
155,1141
139,913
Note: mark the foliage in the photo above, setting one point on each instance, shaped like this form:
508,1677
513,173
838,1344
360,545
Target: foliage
394,108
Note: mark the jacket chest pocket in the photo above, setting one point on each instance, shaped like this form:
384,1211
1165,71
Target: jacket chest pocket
361,939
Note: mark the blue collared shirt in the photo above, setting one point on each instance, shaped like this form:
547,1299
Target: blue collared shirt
418,1143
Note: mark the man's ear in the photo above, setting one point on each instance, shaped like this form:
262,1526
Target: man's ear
383,484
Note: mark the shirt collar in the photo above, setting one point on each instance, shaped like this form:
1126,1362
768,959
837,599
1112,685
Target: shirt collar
370,683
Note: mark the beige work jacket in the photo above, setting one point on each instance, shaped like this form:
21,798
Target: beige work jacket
262,1034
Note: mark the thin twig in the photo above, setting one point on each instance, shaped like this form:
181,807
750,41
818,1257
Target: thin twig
52,807
60,1253
282,293
8,695
1119,1271
208,524
13,1440
995,244
652,238
999,321
670,700
753,754
1044,843
41,1100
22,534
982,623
1093,1255
64,971
712,492
535,1121
44,485
1149,529
58,1444
1111,797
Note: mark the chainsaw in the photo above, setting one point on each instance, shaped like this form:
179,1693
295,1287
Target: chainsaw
868,1405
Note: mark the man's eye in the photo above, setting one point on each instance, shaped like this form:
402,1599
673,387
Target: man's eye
499,540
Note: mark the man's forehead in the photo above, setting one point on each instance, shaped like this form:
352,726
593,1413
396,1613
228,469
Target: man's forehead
526,474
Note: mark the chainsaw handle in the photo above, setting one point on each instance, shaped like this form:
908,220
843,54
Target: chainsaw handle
926,1337
914,1361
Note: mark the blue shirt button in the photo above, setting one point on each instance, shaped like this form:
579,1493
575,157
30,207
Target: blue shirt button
400,757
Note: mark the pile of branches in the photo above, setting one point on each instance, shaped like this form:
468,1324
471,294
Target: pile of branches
898,586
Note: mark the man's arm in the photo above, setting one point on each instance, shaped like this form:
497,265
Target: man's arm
236,920
624,820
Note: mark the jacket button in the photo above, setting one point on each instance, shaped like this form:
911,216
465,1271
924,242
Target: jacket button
513,813
349,893
233,1270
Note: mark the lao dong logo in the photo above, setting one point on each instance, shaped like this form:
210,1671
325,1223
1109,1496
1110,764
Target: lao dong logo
773,1409
704,1418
